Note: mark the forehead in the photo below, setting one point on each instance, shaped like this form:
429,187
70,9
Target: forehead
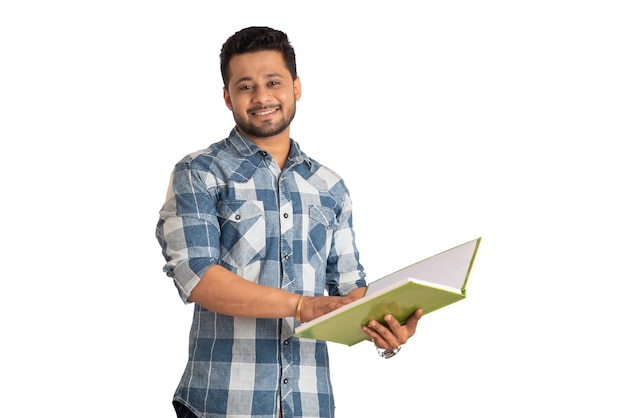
257,64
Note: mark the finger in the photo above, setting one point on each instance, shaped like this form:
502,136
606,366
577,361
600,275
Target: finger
355,294
401,333
386,338
374,337
411,323
393,323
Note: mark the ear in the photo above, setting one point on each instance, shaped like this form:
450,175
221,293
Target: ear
297,88
227,99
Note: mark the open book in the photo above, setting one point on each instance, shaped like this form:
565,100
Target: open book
429,284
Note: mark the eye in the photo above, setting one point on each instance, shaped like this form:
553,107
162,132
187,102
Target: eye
273,83
245,87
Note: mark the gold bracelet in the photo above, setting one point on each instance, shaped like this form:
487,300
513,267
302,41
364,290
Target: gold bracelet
299,308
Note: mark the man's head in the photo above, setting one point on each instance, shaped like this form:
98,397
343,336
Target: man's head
255,39
261,86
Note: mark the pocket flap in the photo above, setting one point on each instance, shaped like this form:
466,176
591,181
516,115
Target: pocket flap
323,215
239,210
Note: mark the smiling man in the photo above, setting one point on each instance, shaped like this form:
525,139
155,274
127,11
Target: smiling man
259,237
261,93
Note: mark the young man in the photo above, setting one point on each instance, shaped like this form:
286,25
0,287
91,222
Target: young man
254,232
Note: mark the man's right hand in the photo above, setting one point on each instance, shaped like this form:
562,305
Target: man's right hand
313,307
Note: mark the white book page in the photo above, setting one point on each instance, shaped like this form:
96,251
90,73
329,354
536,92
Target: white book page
448,268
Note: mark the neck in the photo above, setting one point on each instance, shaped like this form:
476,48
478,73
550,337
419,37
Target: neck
278,146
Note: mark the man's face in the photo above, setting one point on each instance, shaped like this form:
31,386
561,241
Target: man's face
261,94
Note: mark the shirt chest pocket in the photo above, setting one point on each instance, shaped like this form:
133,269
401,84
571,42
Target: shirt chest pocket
322,224
242,226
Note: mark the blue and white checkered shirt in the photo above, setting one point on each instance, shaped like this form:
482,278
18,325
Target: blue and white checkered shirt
231,205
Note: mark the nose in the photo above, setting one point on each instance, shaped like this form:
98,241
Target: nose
261,95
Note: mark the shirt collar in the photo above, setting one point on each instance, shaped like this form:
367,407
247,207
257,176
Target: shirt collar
249,150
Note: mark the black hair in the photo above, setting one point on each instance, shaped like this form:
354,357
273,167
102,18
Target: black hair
255,39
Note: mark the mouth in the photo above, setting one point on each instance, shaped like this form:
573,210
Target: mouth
265,112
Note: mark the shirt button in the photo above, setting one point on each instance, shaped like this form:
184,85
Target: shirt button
286,342
285,381
285,215
263,153
237,217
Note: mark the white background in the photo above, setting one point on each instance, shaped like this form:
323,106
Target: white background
448,120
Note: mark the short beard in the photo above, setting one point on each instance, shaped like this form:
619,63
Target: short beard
264,131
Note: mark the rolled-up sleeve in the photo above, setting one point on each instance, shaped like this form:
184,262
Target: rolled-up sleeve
344,271
188,229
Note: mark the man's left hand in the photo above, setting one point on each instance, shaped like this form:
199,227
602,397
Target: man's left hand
392,335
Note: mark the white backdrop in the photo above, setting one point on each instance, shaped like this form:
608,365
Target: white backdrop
448,120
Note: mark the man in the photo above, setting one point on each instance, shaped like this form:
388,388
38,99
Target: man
254,232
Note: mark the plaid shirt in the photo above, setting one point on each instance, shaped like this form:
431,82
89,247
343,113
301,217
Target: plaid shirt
231,205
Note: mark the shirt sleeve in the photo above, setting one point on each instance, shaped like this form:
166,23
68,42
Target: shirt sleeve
188,229
344,271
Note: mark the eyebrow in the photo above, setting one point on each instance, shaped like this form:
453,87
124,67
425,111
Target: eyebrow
269,75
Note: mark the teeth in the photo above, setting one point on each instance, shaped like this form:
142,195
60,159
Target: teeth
264,112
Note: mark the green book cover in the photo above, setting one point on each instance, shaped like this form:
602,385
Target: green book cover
429,284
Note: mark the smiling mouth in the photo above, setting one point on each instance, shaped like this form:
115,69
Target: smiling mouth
264,112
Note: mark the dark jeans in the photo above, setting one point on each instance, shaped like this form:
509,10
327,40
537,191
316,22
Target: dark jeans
182,411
